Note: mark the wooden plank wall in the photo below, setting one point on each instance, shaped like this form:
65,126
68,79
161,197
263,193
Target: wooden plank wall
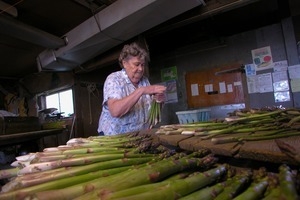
213,77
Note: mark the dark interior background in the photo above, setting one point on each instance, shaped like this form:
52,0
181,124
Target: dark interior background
213,20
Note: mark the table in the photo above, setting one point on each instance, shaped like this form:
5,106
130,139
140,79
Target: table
17,138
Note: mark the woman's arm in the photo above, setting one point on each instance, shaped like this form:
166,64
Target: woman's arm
119,107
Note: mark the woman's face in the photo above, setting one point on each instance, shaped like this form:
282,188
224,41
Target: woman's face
134,67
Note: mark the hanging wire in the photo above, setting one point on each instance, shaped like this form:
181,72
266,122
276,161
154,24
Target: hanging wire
91,90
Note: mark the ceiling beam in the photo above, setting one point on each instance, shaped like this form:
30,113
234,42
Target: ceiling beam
19,30
9,9
112,26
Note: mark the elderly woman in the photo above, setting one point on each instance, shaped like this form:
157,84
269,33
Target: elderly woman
127,94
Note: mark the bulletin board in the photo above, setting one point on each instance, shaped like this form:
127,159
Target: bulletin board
217,86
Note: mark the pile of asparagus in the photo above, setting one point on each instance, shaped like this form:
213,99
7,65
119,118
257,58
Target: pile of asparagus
242,125
120,167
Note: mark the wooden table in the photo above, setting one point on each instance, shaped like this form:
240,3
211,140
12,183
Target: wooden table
17,138
263,151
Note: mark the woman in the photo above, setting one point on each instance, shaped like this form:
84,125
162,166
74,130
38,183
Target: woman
127,94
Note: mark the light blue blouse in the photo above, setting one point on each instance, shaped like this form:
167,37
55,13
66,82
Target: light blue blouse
117,85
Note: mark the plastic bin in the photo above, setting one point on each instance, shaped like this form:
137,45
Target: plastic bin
203,115
192,116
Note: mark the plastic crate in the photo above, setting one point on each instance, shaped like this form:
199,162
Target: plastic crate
192,116
203,115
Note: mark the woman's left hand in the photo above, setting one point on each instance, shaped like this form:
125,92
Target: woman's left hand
161,97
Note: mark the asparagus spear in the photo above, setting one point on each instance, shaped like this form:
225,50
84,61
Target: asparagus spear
274,194
231,190
287,183
9,173
47,158
293,120
208,193
275,136
37,167
288,150
192,128
271,135
25,160
213,133
151,173
103,139
154,113
254,191
139,189
165,190
85,142
255,116
65,172
22,193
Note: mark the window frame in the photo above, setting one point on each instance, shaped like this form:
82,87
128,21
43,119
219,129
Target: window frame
43,102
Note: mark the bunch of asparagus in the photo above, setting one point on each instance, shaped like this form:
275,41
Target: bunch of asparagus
154,116
84,162
250,125
104,168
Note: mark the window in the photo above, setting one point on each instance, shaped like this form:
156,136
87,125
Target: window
62,101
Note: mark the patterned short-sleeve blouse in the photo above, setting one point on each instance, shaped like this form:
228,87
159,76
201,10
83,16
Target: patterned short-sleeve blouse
117,85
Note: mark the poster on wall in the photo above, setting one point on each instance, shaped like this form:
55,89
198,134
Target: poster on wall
280,81
250,69
282,96
281,86
261,83
171,91
222,87
252,84
279,76
194,89
229,88
280,66
169,73
262,58
295,85
265,83
294,71
208,88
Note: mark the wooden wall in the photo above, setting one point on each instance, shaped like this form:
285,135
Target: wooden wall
217,86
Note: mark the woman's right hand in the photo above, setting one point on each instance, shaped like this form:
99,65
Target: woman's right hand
155,89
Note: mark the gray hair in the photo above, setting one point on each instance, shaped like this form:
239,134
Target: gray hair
133,50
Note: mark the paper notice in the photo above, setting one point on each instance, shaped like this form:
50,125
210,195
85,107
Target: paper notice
222,87
195,90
